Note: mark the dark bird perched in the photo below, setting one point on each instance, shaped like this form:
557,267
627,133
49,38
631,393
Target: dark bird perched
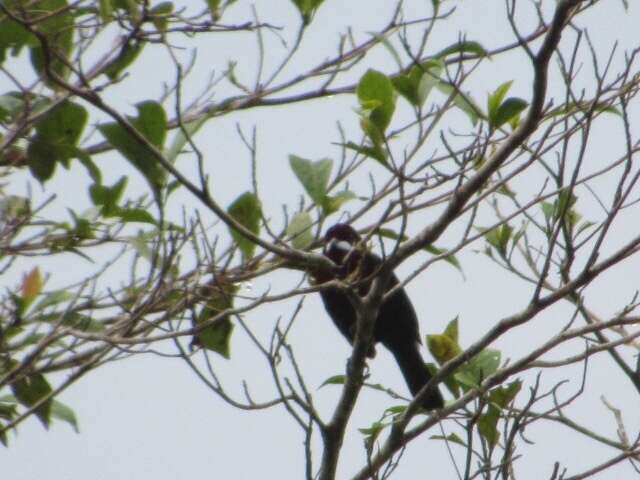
396,326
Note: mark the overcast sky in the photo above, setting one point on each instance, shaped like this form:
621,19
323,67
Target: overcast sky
150,418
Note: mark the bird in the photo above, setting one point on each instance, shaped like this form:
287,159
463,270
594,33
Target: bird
396,326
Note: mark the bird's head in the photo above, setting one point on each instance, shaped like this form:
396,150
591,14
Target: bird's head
339,241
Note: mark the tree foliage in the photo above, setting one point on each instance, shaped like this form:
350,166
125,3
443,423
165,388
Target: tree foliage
436,167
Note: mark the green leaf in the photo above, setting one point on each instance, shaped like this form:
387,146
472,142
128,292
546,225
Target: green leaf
160,15
514,122
584,226
30,390
335,380
62,412
573,218
307,8
314,176
377,101
53,298
519,234
565,202
452,437
499,238
374,429
127,55
562,207
584,107
431,78
487,426
452,330
416,84
151,123
371,433
180,140
443,348
79,11
247,211
472,373
499,398
58,28
495,99
404,86
395,410
74,320
105,10
214,9
132,215
505,190
463,47
333,203
13,36
130,7
503,396
108,197
548,210
299,230
376,151
6,363
8,407
57,134
88,163
216,337
487,362
388,233
407,85
451,259
11,105
82,229
3,433
510,109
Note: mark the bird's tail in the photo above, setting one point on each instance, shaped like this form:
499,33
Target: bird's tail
416,374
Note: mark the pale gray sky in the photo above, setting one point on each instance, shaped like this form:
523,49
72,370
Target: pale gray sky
151,418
